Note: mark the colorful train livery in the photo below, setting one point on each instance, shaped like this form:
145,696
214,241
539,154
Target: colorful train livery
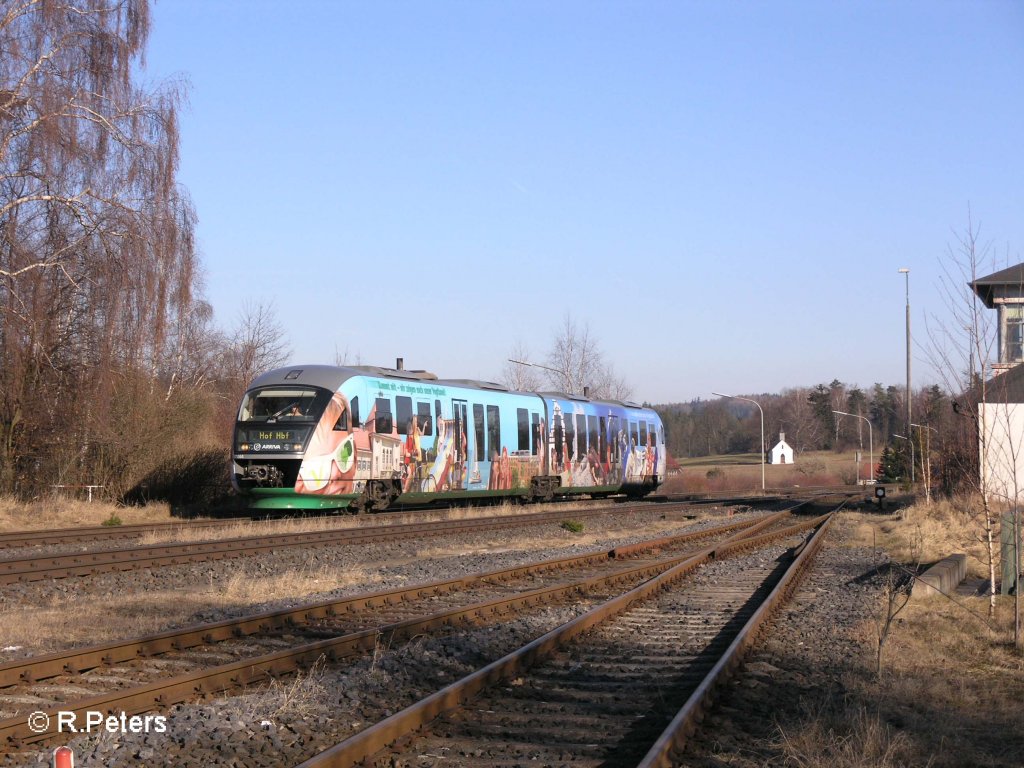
365,438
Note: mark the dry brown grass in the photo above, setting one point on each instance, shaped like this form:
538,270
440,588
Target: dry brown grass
66,621
294,698
935,531
857,740
715,474
62,512
951,683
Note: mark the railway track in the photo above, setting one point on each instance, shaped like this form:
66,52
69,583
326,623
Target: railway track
57,566
623,684
233,653
110,533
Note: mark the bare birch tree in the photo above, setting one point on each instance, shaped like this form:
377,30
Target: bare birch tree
98,272
576,361
961,350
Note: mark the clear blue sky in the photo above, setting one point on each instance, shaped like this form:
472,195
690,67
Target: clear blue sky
722,191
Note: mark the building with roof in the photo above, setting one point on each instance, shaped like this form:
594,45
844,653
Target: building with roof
782,453
1004,292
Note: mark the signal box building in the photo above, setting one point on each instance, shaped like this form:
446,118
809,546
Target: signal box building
1003,291
1000,403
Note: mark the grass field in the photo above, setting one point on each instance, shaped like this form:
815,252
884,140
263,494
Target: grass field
742,472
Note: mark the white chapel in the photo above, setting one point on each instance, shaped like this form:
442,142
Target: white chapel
782,453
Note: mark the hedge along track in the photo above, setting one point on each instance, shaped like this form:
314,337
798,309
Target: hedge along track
594,691
130,558
364,610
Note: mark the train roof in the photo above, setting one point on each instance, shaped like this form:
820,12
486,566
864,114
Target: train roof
333,376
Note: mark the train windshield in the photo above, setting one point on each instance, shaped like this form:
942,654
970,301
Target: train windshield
286,405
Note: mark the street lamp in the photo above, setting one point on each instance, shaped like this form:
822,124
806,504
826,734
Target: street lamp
901,437
737,397
906,274
565,378
871,442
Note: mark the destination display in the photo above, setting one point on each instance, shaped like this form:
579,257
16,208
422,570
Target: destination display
270,440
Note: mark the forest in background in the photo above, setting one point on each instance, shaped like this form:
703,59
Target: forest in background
806,415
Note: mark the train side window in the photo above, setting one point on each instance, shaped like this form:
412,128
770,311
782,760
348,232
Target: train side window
478,426
523,422
559,442
581,434
423,415
643,433
536,438
634,433
570,435
592,432
613,427
602,436
494,429
383,422
355,411
341,425
403,413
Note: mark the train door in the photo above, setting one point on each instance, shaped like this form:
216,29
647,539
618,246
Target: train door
459,443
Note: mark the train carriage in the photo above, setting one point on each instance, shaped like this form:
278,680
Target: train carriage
326,437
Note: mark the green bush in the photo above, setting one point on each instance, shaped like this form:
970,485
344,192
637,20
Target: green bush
112,520
573,525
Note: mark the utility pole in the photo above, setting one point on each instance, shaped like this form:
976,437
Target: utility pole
905,271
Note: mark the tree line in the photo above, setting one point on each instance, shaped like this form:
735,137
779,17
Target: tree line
807,416
111,362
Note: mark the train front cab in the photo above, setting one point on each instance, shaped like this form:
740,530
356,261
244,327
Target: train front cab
275,424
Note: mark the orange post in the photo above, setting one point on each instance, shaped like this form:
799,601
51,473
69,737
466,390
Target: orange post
63,757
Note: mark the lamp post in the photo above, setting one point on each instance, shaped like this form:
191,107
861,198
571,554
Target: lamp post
547,368
926,464
901,437
747,399
871,442
905,271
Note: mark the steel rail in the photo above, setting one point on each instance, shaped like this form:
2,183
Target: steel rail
672,741
368,742
131,558
53,536
183,687
50,536
36,668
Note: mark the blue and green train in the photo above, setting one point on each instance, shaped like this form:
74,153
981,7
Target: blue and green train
362,437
